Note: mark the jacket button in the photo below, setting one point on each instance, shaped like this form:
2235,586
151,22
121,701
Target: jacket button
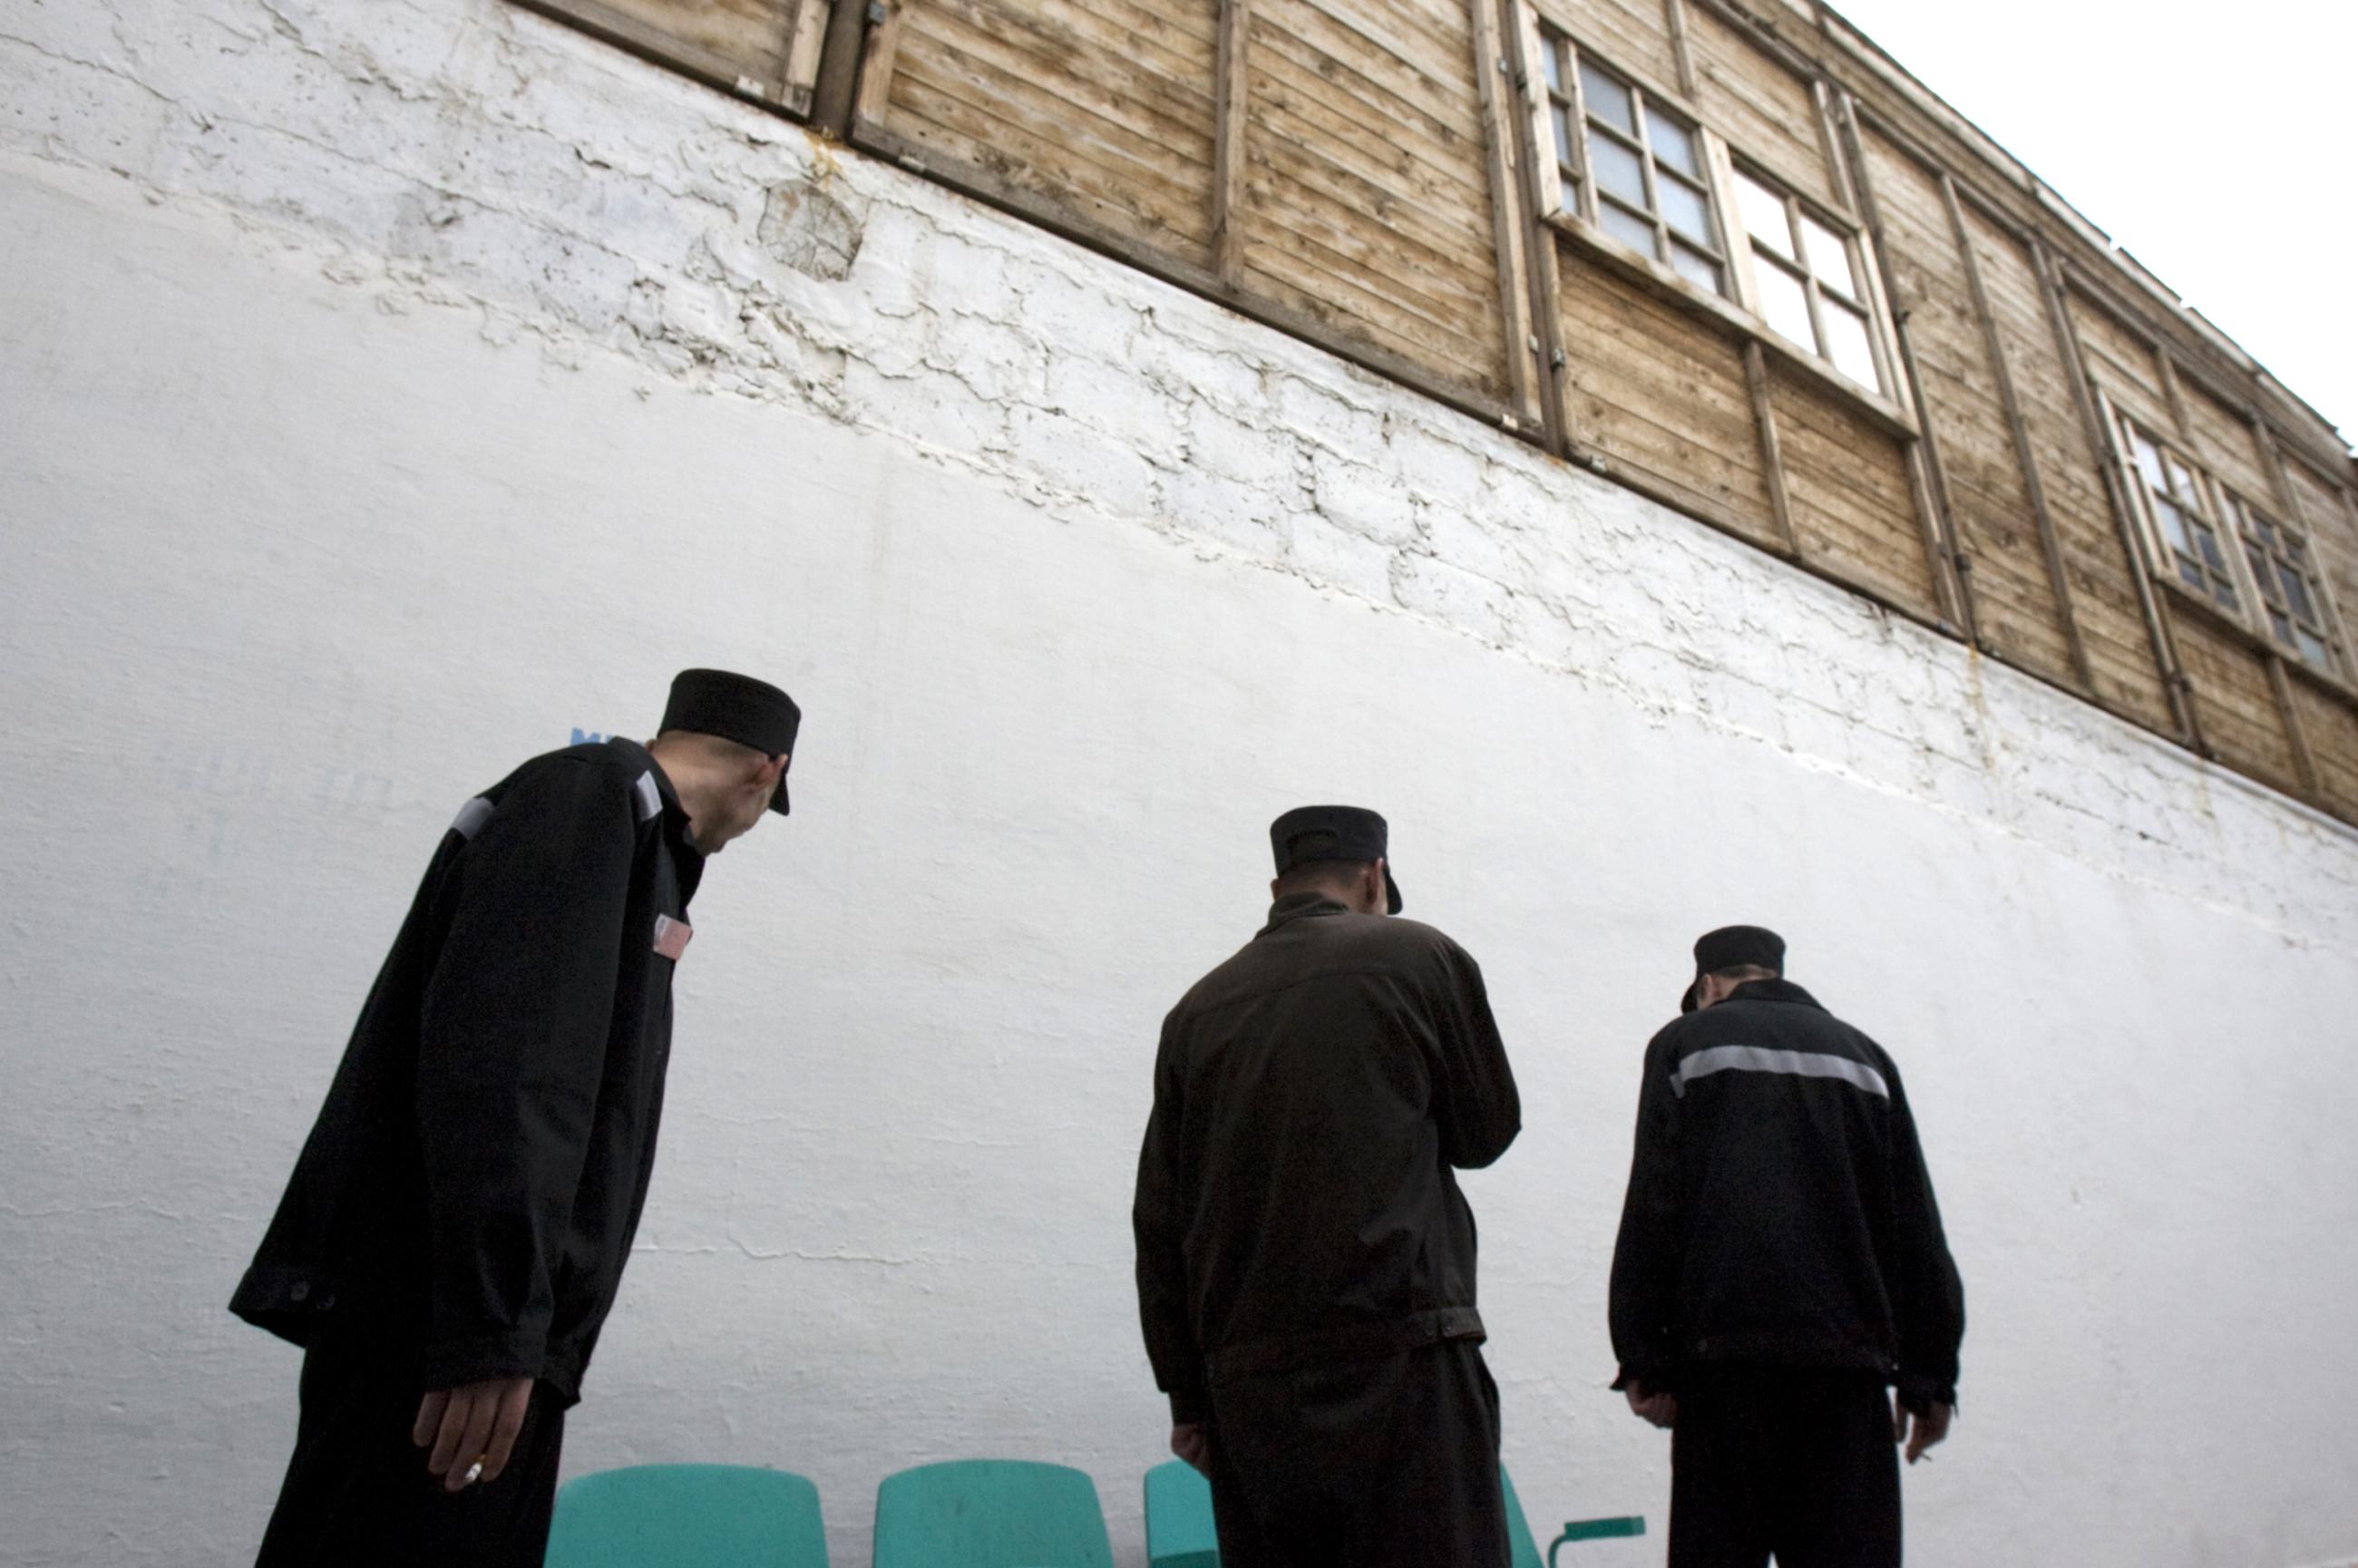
299,1292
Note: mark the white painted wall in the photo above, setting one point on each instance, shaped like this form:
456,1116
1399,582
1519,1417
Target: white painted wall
388,387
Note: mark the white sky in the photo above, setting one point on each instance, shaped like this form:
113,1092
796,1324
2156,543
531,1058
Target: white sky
2214,143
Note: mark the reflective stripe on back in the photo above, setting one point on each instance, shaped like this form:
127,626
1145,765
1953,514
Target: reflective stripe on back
472,817
1760,1059
650,797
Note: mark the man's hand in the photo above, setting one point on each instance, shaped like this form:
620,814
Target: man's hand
471,1429
1188,1441
1662,1409
1930,1428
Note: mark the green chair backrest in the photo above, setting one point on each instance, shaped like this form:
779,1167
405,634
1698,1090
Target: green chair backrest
991,1513
687,1515
1522,1547
1179,1531
1597,1530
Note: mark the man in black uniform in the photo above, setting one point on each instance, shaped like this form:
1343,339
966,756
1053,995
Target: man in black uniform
456,1227
1305,1260
1780,1266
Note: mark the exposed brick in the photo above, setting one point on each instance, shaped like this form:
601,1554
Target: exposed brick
1343,557
1362,500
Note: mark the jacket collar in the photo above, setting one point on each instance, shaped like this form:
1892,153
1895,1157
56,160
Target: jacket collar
1299,906
1778,990
689,857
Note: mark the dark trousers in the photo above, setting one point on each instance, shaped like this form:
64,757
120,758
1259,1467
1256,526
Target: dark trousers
1387,1463
1794,1461
357,1493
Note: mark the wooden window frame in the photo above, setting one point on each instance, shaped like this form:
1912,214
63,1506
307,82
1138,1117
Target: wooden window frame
791,93
1562,55
1547,40
2200,504
1563,187
2243,624
1856,257
2245,523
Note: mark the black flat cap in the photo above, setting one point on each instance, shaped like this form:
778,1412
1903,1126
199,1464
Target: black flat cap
1310,833
1733,947
736,708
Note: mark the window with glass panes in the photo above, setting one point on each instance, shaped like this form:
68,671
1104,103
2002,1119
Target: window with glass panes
1808,279
1633,167
1563,116
2173,497
2286,575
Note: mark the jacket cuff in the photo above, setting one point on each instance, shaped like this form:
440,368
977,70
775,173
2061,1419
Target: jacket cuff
1189,1406
1659,1380
474,1358
1920,1392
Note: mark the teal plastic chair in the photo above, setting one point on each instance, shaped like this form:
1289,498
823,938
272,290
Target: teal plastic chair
1596,1530
1179,1531
1523,1548
687,1515
991,1513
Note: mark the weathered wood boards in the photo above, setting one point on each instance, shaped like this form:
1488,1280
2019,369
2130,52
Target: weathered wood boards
1325,163
1380,176
1853,512
1367,202
1661,397
1988,496
1678,390
1764,109
2014,451
2237,703
2331,727
1102,109
764,49
1633,34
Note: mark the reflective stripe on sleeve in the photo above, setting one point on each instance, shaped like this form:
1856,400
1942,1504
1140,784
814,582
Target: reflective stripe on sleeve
1760,1059
472,817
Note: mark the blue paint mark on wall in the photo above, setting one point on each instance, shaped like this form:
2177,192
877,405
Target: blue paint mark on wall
588,738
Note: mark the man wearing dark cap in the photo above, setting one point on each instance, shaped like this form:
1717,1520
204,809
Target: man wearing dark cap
457,1224
1780,1268
1305,1260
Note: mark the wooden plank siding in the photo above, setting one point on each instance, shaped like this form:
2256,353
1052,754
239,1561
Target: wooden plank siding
1765,111
1367,201
1658,392
764,49
2331,726
1854,505
2099,577
2326,514
2222,441
1101,107
2123,365
1989,498
1628,35
1359,173
2241,720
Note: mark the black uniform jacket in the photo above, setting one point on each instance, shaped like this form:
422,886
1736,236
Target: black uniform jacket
1295,1201
1778,1208
466,1198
